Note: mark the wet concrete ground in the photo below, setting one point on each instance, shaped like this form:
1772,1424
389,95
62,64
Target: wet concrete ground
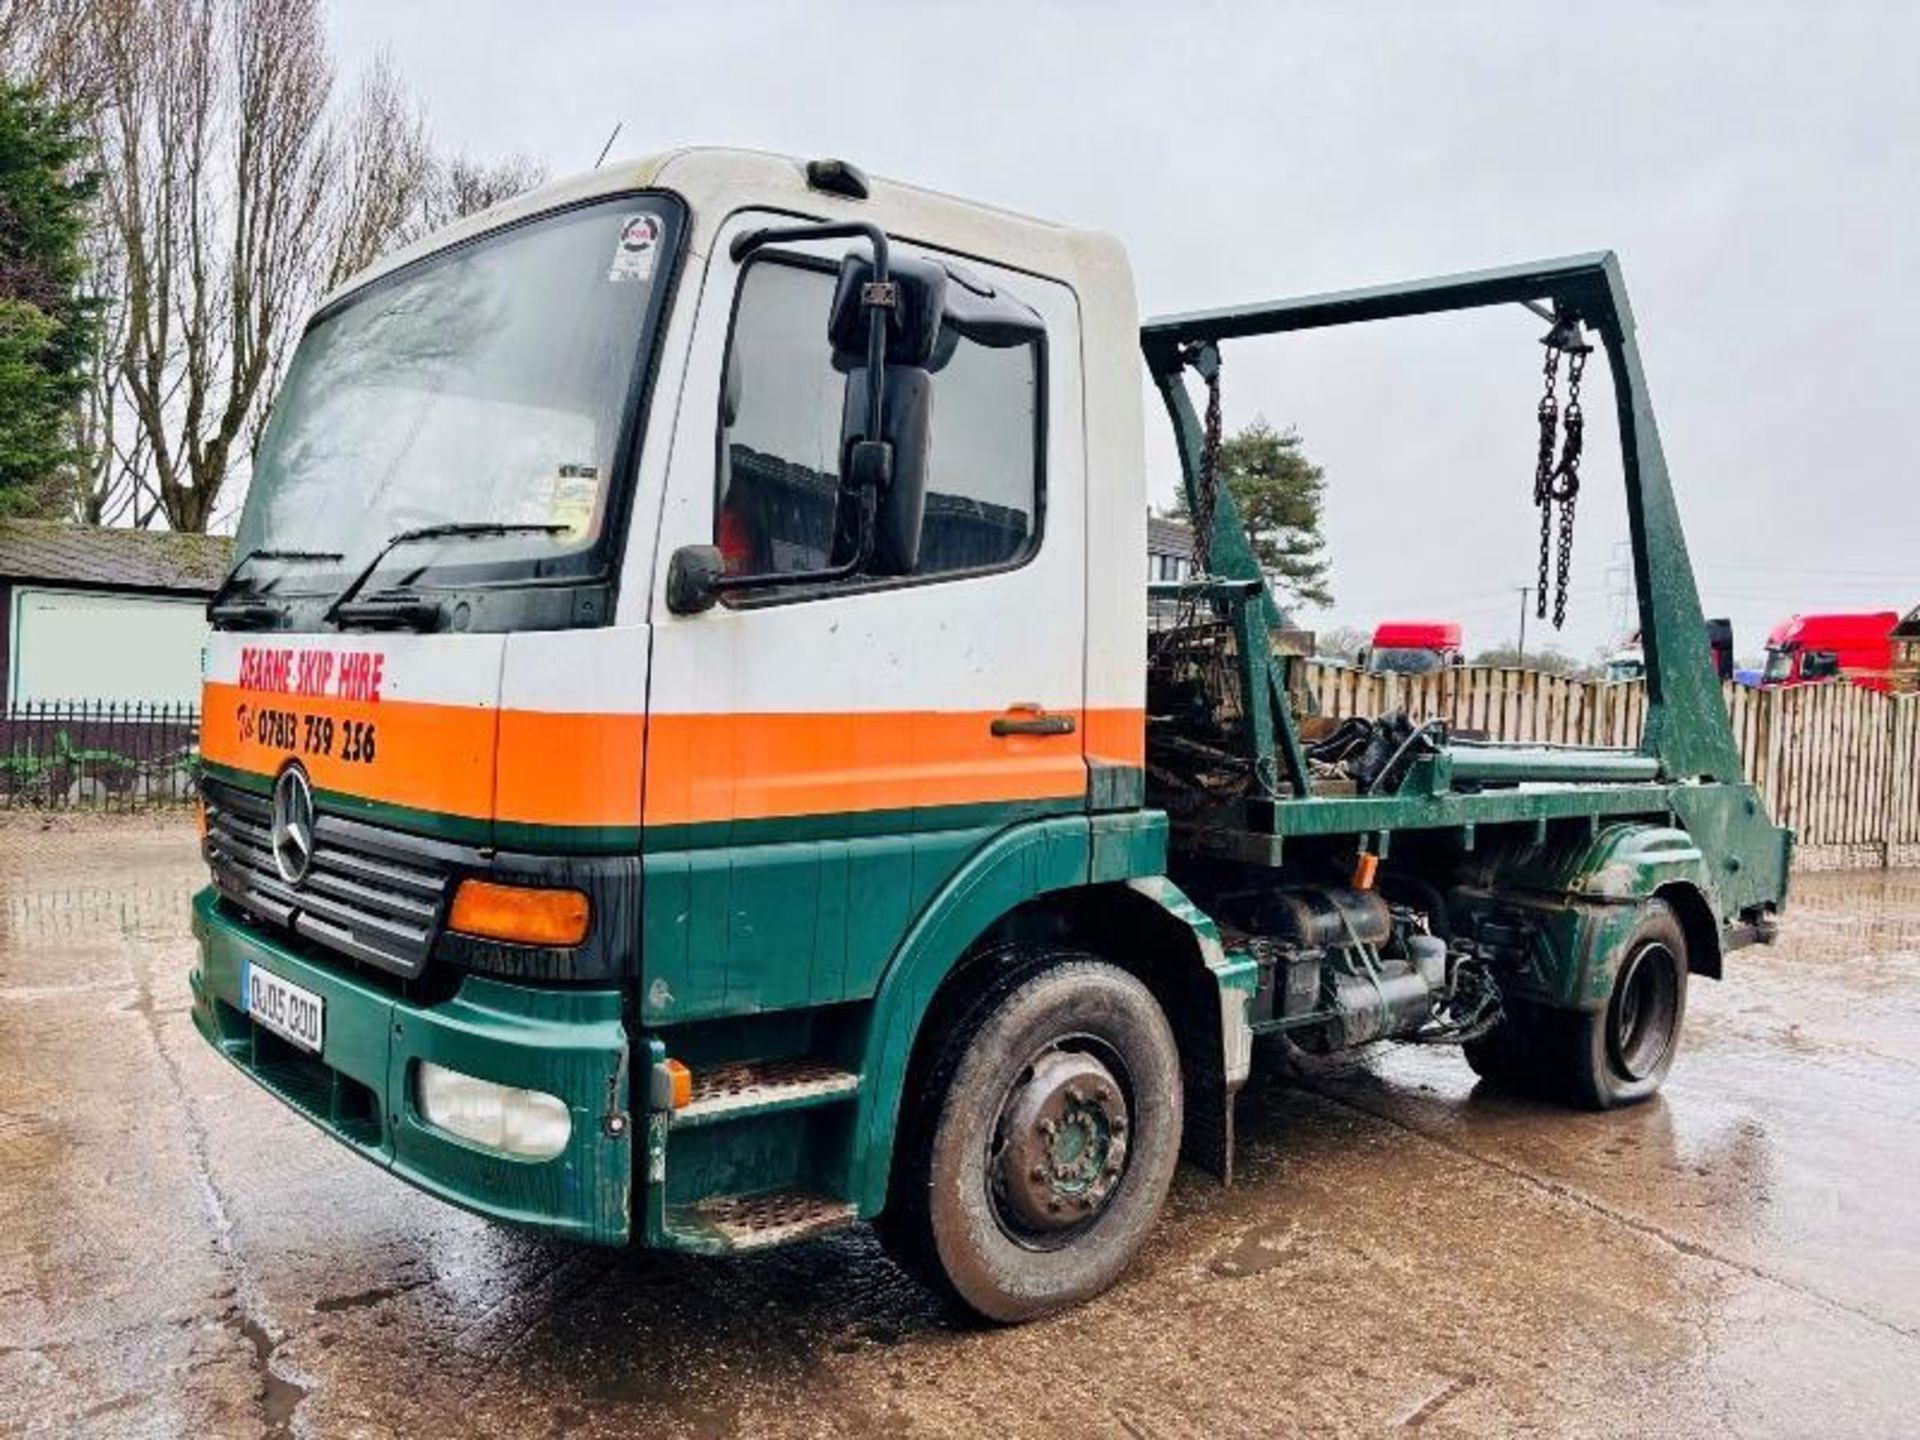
1403,1251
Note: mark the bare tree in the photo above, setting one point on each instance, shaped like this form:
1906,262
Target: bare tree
48,44
237,192
465,186
219,162
388,175
114,484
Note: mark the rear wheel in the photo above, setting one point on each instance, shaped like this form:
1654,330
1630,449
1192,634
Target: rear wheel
1048,1137
1620,1055
1607,1058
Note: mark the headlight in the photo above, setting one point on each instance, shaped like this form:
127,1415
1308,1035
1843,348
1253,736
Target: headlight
529,1124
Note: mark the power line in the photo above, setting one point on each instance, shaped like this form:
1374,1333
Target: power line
1807,569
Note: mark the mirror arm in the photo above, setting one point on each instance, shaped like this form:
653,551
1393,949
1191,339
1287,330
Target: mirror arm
777,579
870,461
879,295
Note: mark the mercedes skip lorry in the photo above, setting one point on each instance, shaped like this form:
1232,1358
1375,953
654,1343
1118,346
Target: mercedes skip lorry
685,763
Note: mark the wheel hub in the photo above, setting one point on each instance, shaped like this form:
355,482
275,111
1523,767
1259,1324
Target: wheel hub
1643,1012
1064,1142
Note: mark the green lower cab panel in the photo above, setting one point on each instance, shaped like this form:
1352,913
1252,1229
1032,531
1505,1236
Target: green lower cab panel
362,1087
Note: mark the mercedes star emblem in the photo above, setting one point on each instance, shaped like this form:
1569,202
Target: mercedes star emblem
292,824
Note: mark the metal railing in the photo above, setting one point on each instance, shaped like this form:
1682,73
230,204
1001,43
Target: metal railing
98,755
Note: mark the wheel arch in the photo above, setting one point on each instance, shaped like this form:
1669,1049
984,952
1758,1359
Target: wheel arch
1697,923
1150,928
1580,896
1142,923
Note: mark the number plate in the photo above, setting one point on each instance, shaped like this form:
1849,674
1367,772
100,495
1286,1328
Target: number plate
284,1008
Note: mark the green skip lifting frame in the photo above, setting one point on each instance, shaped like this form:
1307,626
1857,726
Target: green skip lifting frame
1686,767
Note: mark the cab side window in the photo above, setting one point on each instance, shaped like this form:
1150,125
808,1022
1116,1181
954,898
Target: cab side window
780,426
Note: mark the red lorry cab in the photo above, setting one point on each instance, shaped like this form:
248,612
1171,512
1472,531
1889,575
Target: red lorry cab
1414,647
1806,648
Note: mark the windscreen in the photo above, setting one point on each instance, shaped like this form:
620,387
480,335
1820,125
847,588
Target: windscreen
1402,661
490,383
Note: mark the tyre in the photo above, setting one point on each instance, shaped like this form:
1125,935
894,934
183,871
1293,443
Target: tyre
1602,1059
1503,1056
1043,1141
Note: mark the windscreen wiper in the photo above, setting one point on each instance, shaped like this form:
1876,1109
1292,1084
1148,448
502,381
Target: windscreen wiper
244,614
393,608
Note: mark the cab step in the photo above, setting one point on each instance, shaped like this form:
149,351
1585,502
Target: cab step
733,1223
754,1087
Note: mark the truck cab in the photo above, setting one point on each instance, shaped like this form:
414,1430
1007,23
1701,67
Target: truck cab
1413,647
1806,649
676,747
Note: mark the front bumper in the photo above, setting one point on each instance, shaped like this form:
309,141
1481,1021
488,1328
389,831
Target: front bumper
360,1088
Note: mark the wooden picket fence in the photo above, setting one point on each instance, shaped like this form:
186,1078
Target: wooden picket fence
1838,763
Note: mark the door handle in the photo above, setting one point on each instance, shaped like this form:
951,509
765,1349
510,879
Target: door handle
1028,718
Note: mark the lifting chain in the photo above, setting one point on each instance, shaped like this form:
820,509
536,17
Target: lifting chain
1206,359
1566,481
1549,413
1557,480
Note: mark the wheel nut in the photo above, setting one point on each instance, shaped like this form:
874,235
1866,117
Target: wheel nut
1075,1096
1053,1205
1048,1128
1118,1125
1039,1172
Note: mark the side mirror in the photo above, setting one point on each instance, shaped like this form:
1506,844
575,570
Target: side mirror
1720,641
893,470
693,579
883,458
871,309
931,308
891,326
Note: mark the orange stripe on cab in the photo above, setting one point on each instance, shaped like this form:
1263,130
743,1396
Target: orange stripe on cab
703,768
423,756
549,768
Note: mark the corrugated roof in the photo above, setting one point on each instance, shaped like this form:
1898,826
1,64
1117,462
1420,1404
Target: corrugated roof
107,558
1168,537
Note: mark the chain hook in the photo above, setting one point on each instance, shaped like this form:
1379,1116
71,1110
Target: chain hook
1556,476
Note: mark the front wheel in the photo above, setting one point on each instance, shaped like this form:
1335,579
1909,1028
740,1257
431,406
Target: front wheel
1048,1138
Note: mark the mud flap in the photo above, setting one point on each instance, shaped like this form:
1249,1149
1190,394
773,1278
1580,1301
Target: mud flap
1216,1045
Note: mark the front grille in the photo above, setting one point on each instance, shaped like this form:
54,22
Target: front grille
371,894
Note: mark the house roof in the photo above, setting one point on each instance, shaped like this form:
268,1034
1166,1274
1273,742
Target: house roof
102,558
1168,537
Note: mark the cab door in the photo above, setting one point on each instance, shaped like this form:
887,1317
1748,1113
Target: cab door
821,761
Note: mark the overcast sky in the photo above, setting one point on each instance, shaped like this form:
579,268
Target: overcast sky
1757,167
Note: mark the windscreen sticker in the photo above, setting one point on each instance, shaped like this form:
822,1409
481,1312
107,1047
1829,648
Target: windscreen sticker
576,490
633,256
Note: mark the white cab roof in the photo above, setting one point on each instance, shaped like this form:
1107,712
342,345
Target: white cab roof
717,182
